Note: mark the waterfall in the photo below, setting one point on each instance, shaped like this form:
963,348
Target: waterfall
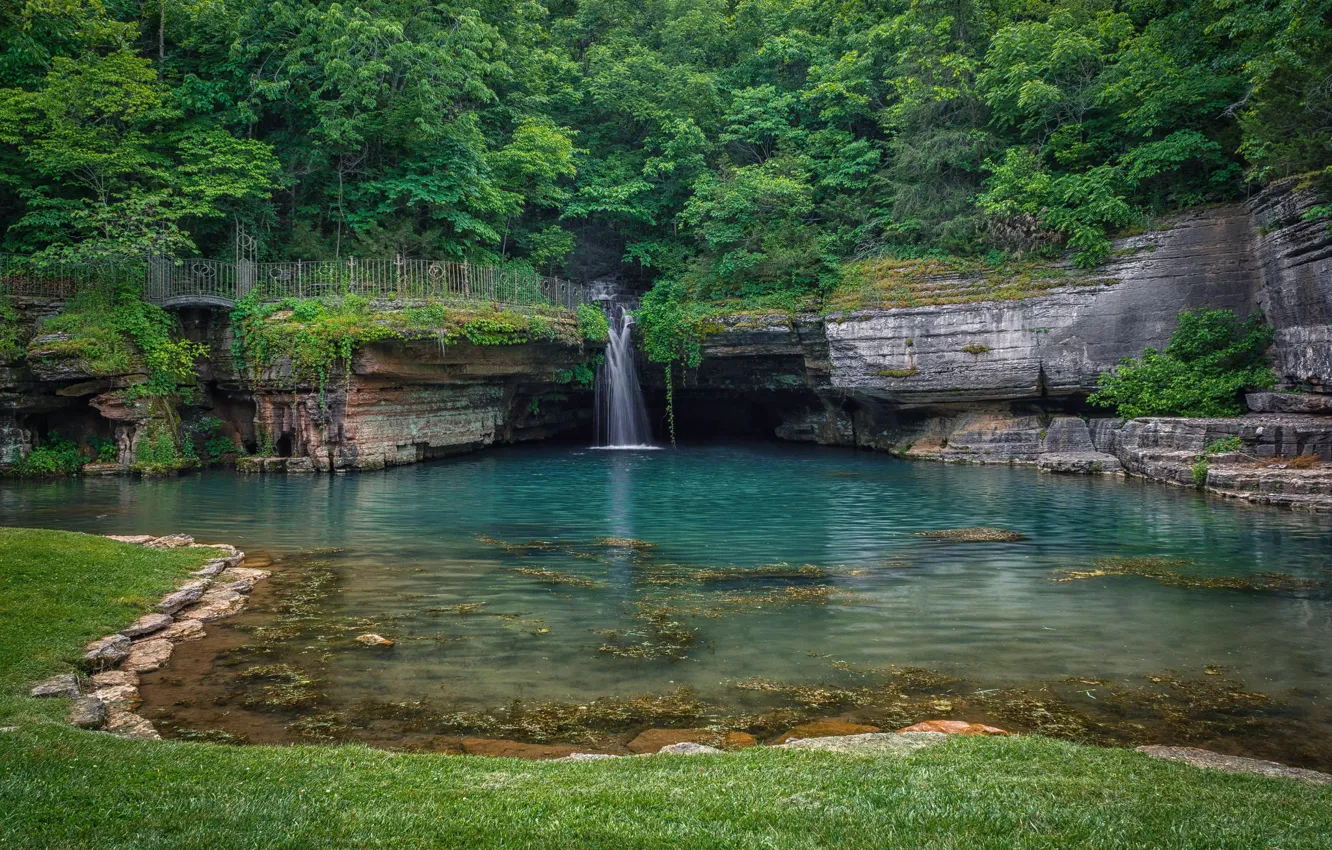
621,416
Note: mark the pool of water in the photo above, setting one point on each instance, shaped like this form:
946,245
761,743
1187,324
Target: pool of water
567,594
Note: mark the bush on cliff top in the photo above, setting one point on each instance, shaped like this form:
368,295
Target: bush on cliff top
1212,357
111,330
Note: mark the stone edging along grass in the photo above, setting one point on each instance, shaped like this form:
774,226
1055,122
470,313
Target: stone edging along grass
219,589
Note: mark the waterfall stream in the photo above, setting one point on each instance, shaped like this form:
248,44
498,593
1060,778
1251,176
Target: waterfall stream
621,416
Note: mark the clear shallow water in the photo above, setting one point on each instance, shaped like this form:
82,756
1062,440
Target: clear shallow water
875,599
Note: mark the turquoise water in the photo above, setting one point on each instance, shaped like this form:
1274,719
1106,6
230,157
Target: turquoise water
873,599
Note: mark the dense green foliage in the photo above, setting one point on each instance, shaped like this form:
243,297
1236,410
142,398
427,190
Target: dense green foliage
742,147
116,332
55,456
63,787
1212,357
13,339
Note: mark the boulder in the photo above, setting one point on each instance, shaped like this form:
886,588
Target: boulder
1233,764
954,727
171,541
687,748
587,757
62,685
214,605
147,655
88,713
139,539
825,729
373,640
146,625
869,744
106,652
186,595
211,568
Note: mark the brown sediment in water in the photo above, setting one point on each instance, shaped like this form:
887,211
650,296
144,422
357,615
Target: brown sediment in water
236,687
1175,574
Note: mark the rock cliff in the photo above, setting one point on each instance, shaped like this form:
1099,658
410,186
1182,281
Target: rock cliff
1006,381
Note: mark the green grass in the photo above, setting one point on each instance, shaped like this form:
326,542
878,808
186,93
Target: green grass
61,787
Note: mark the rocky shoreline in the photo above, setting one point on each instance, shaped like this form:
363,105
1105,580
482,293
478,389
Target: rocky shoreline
108,698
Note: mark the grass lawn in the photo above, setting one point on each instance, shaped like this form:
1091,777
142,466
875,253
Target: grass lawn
61,787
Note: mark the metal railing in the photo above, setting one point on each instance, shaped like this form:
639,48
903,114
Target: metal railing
223,282
25,276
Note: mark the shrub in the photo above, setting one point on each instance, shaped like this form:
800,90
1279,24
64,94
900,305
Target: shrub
1211,358
592,323
57,456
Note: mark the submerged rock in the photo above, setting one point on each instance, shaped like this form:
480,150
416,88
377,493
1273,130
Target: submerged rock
869,744
373,640
184,630
1233,764
147,655
501,748
954,727
63,685
973,535
88,713
214,605
825,729
106,652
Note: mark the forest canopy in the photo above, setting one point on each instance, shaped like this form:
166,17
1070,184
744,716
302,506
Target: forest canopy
725,148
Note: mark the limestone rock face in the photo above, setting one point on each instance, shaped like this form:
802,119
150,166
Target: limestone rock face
1296,264
404,402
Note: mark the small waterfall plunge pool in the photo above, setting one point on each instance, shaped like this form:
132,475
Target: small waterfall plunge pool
555,594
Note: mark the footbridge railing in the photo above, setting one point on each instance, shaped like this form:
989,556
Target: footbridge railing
221,283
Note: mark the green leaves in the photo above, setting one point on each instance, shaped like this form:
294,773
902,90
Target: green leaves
1212,357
